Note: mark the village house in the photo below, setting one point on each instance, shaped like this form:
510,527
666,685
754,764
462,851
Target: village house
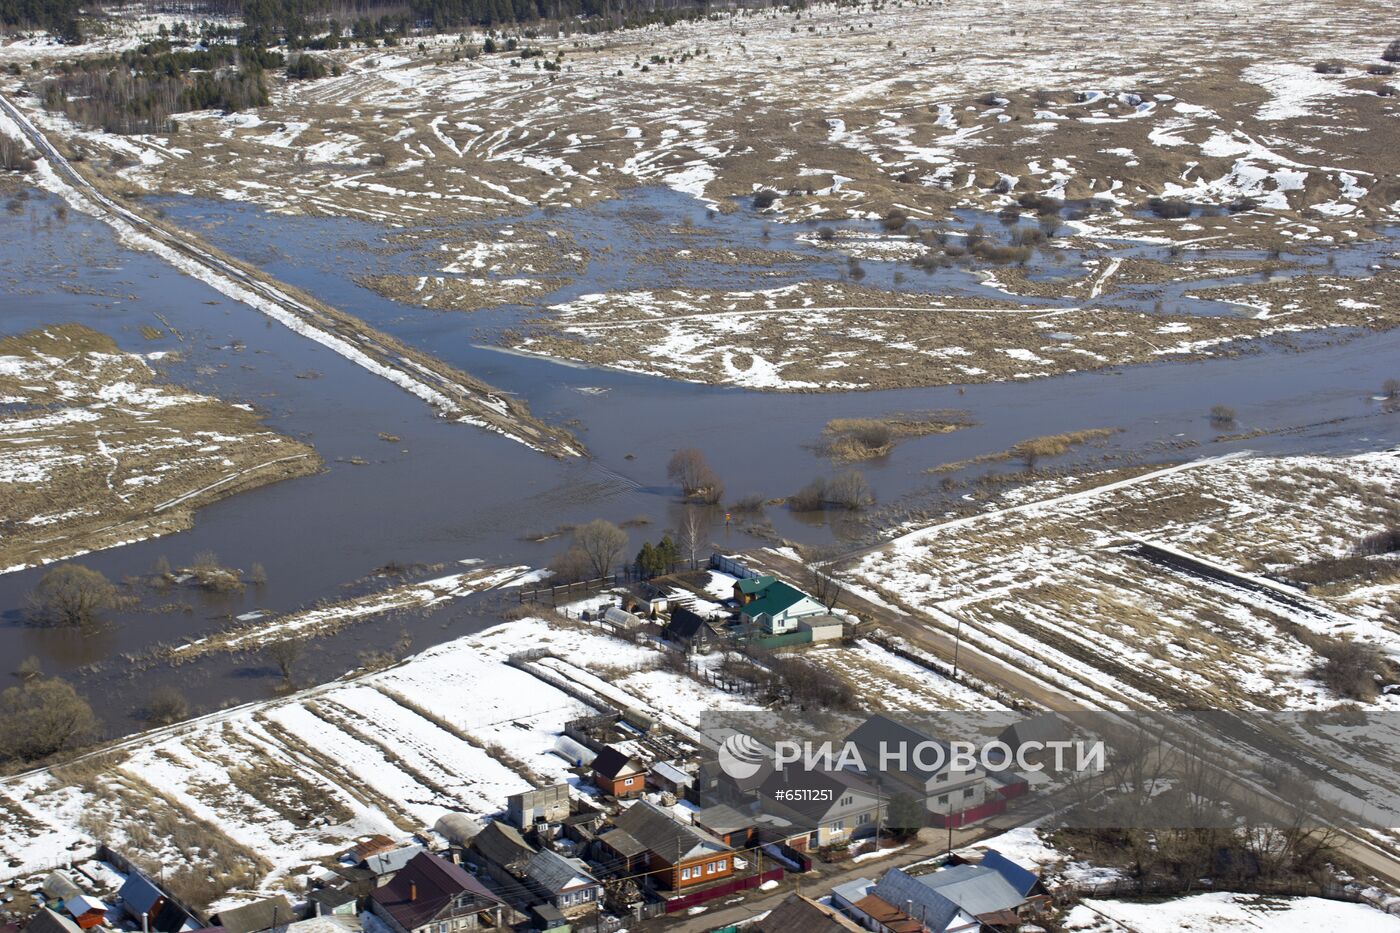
690,631
953,796
544,805
798,914
855,900
769,605
647,839
431,895
257,916
564,883
502,853
733,827
617,774
831,807
995,893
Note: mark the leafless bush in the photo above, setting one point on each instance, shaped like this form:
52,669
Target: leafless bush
285,654
166,705
1222,416
1350,668
1169,208
1392,52
13,156
569,566
850,490
1380,542
764,198
1329,68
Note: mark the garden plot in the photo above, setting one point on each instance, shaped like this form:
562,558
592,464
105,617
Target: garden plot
274,787
835,335
1061,588
96,451
885,681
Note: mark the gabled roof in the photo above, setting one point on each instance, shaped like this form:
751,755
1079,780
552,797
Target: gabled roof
776,597
916,899
382,863
139,894
612,764
976,889
47,921
622,842
722,818
259,915
661,835
84,904
798,914
1022,880
435,882
826,787
555,874
887,915
372,846
332,897
751,585
675,775
685,624
881,732
503,844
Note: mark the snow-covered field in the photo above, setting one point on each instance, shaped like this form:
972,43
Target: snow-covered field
847,112
1226,913
1058,587
294,780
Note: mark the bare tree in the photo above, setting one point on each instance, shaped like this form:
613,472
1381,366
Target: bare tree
689,470
603,543
71,594
821,569
570,566
690,536
285,655
41,718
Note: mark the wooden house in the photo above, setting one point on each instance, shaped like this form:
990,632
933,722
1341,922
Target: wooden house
646,839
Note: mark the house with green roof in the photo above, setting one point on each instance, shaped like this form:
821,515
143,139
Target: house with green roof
775,607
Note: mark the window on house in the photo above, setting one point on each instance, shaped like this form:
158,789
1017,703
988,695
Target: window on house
685,874
837,826
943,800
969,792
722,863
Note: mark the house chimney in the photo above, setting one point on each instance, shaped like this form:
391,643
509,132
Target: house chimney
413,890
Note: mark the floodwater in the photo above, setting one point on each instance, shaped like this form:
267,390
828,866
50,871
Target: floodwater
446,492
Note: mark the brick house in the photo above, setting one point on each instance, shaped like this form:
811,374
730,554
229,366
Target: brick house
618,774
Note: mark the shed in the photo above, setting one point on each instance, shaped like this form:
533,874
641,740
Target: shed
86,910
257,916
727,823
690,630
336,901
141,899
542,805
47,921
618,774
824,627
668,776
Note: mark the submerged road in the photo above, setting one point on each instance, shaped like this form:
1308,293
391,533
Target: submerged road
453,393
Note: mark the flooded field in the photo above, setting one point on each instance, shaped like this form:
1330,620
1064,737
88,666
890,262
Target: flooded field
404,487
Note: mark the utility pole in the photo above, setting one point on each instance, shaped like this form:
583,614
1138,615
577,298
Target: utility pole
957,644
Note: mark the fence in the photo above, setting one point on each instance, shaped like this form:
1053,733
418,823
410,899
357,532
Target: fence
722,889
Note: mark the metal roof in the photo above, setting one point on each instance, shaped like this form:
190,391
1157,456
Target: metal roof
777,596
659,833
259,915
976,889
673,774
721,818
556,874
139,894
1021,880
382,863
751,585
907,893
